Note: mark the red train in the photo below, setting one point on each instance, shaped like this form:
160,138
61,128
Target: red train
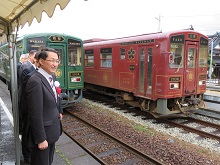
162,73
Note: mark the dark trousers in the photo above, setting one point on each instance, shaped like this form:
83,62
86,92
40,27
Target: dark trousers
26,150
42,157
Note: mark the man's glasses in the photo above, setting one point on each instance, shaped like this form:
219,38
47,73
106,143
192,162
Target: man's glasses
54,61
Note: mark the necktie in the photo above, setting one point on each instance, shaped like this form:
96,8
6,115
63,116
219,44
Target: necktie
53,87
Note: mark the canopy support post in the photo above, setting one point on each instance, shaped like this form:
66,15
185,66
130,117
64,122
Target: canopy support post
14,91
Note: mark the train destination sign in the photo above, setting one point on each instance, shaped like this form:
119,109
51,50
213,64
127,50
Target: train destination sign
74,42
177,39
202,77
56,38
138,42
75,74
36,43
174,79
192,36
37,40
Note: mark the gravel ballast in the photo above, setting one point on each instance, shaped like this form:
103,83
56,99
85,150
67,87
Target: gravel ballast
169,145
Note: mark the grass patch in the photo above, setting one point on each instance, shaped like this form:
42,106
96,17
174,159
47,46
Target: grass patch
143,129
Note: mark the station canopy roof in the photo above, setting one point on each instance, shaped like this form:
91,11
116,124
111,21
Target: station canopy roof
16,13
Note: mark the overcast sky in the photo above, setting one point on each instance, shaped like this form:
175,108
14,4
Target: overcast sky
120,18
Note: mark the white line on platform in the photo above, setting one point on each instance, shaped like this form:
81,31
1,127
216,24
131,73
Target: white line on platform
7,111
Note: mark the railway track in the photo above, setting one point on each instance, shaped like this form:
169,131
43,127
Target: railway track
189,124
104,147
208,113
203,128
109,101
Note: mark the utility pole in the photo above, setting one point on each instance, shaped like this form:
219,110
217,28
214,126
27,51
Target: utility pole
159,22
210,66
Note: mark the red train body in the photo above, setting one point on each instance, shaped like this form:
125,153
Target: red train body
163,73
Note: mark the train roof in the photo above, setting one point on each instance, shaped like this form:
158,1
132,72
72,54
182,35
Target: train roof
158,35
46,34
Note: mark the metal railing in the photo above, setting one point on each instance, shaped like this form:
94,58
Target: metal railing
213,81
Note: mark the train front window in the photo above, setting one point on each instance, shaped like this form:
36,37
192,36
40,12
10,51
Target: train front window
176,56
203,52
74,52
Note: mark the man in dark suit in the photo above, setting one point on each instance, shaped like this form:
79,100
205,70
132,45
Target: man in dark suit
44,125
22,59
26,68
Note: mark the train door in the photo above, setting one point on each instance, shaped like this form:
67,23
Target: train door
145,71
61,70
190,68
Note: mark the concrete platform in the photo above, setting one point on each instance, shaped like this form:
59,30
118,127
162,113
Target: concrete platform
214,94
212,97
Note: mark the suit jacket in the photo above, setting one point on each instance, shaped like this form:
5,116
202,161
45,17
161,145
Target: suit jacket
44,120
24,70
18,78
18,69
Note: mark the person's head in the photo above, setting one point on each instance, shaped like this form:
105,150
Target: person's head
23,58
31,56
48,59
36,62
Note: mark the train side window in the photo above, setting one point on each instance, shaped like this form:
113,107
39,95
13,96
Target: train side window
141,69
89,59
106,57
176,58
122,53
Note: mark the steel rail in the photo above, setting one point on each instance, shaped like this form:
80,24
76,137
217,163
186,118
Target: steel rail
126,146
190,129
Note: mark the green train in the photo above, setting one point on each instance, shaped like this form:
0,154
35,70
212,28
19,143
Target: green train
70,72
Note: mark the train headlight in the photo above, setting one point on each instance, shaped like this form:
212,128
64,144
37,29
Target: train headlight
76,92
75,79
202,82
174,85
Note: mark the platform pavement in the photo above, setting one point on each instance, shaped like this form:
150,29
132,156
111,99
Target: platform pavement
213,95
67,151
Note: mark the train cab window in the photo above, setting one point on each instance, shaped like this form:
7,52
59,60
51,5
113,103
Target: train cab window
122,54
191,57
74,56
106,57
203,55
89,58
176,56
